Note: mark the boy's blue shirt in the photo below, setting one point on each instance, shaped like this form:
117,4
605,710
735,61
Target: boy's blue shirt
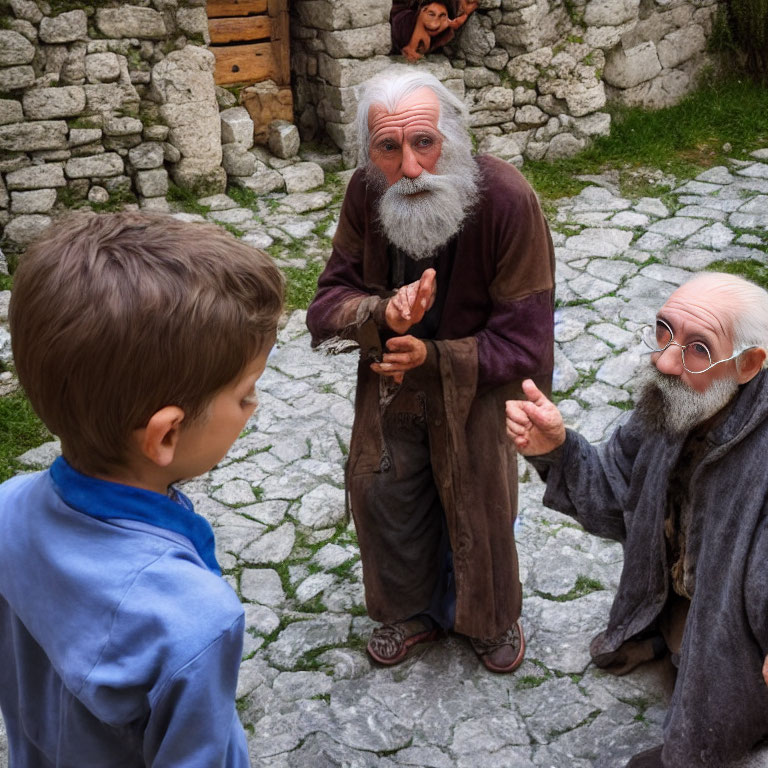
109,501
119,644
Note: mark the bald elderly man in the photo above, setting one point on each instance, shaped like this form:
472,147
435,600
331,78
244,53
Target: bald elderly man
683,484
442,273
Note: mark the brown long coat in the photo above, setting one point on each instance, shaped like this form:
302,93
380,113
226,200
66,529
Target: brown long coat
496,328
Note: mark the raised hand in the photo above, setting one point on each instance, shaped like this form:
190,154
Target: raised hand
411,302
535,425
403,353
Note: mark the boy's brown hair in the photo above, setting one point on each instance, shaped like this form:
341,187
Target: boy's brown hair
115,316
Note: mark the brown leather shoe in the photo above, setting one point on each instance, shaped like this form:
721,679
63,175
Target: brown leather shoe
503,653
389,643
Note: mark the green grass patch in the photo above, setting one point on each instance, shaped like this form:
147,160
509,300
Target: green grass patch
682,140
186,200
750,269
20,430
300,285
583,586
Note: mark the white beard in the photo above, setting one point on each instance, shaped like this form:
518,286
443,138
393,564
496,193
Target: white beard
672,406
419,224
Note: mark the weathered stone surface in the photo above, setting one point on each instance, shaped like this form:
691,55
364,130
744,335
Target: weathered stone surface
49,103
304,636
264,180
122,126
97,166
343,14
152,183
22,230
64,28
663,91
15,49
262,585
199,177
97,194
272,547
347,72
358,43
604,13
283,139
10,111
131,21
193,21
302,177
237,160
26,10
628,68
37,177
680,45
34,201
147,155
183,85
32,136
15,78
265,102
237,126
110,97
102,67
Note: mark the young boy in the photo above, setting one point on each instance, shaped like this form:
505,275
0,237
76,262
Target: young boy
138,340
423,26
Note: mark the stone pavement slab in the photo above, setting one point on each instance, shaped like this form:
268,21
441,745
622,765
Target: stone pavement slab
308,694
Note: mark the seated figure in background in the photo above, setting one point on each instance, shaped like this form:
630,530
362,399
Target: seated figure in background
423,26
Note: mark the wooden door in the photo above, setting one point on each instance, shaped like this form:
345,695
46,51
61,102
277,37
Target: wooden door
250,40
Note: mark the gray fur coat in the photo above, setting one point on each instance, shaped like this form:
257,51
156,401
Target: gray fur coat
618,490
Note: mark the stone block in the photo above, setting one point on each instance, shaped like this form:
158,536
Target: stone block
15,49
80,136
610,13
358,43
265,102
155,132
504,147
4,199
33,201
15,78
152,183
302,177
122,126
170,153
199,177
346,72
342,14
582,101
283,139
193,21
628,68
37,177
109,97
236,126
131,21
146,156
24,229
102,67
97,166
663,91
263,181
479,77
98,195
27,10
49,103
64,28
564,145
10,111
32,136
681,45
237,160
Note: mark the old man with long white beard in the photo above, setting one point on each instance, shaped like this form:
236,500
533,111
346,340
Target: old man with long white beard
683,484
442,272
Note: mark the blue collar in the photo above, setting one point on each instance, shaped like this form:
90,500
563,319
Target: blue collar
106,500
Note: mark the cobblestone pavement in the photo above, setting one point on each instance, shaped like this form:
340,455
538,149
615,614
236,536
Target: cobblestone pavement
307,692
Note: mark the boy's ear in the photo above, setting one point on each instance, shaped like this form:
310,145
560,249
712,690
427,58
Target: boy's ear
158,440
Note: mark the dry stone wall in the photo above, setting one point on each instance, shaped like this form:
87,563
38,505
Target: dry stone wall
536,75
100,102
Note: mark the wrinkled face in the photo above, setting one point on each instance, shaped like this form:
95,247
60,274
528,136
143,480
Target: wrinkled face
406,142
432,16
697,316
